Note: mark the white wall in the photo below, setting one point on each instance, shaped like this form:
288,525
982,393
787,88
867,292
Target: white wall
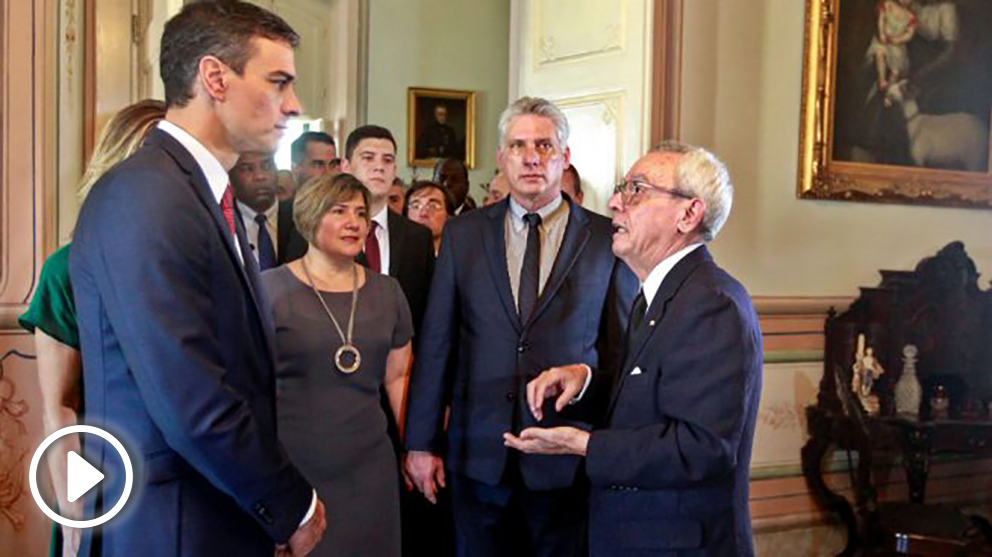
442,44
742,75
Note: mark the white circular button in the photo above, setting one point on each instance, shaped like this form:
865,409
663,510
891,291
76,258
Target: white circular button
81,476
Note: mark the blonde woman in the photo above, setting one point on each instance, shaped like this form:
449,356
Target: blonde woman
51,318
342,333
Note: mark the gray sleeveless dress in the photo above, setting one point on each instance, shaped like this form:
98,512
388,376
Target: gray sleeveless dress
332,424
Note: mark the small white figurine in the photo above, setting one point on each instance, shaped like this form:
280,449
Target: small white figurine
866,369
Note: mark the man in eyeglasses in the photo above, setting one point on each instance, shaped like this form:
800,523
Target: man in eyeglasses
520,285
430,204
669,468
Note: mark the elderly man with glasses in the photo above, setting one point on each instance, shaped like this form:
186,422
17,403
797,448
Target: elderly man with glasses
669,467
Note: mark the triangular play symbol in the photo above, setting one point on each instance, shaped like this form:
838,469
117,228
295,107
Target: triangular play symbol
81,476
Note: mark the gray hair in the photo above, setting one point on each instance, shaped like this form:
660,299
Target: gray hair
698,173
538,107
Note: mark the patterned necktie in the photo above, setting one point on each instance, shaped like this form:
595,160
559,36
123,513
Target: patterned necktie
227,208
372,256
266,251
530,270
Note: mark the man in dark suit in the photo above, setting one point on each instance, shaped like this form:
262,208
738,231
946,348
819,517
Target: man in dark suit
396,245
177,351
520,285
453,174
669,467
267,222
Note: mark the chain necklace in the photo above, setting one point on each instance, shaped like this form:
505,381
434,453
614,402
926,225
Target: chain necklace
347,358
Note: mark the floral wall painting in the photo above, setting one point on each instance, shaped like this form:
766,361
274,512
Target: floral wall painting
896,101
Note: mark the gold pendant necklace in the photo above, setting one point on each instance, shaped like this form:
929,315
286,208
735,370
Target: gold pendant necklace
347,358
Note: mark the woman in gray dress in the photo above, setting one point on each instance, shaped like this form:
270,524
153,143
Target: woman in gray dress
342,332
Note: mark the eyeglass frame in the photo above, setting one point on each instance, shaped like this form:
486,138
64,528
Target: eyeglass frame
432,206
643,186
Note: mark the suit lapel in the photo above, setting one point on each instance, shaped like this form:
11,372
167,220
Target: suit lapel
573,242
494,242
396,240
656,312
202,189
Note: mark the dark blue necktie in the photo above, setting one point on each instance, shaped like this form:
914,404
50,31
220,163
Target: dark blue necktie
266,251
530,271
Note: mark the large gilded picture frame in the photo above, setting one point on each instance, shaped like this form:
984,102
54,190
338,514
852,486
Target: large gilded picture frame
896,102
440,124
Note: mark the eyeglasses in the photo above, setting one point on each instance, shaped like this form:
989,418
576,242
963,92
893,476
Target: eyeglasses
545,149
431,206
633,192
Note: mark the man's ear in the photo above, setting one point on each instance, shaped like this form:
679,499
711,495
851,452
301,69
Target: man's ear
567,157
692,216
213,75
345,166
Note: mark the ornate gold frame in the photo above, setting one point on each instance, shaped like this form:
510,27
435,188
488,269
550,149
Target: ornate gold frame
820,177
414,96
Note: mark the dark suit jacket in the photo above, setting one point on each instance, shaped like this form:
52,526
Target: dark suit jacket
178,364
669,471
285,231
476,355
411,259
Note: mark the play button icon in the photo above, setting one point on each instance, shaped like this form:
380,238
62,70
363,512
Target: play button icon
81,476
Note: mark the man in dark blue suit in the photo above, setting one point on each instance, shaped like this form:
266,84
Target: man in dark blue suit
177,351
669,467
519,286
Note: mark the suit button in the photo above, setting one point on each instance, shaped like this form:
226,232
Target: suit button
263,513
522,347
511,396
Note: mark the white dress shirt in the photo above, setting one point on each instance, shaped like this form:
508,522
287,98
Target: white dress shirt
382,234
251,227
217,177
657,275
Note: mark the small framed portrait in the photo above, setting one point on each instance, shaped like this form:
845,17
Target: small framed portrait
897,96
440,124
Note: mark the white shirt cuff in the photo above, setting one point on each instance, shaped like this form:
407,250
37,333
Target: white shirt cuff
313,509
585,386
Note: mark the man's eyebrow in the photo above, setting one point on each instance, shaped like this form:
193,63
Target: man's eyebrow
283,75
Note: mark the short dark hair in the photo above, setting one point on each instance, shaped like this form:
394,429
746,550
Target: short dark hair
578,179
366,132
299,146
420,185
223,29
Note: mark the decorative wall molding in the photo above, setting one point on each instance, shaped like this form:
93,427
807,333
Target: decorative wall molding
593,28
598,125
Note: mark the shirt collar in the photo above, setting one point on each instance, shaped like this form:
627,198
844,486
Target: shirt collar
661,270
382,218
217,177
517,211
249,214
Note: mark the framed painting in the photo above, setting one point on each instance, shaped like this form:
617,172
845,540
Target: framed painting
440,124
896,102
